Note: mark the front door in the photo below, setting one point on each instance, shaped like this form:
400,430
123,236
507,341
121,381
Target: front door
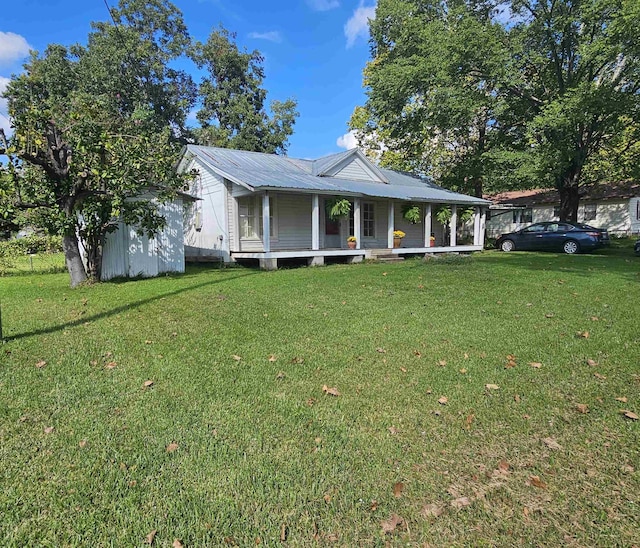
332,237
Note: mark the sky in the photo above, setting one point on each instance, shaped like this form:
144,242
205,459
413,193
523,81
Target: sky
314,51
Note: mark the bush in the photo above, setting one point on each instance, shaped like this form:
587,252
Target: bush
30,245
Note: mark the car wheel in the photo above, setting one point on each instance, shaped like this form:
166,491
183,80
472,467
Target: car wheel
507,246
570,247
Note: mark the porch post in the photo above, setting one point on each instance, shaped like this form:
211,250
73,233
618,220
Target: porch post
315,222
453,225
356,221
427,225
483,225
476,225
266,223
391,224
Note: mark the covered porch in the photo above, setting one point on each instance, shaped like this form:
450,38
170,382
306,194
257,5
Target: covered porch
371,222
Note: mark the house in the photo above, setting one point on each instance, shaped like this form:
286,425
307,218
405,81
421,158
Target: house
264,207
129,254
614,206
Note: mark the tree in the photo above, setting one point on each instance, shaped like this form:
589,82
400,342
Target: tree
233,111
534,101
96,126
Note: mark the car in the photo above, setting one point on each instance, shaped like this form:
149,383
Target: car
636,248
554,236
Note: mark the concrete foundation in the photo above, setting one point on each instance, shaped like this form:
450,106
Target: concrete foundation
355,259
316,261
269,264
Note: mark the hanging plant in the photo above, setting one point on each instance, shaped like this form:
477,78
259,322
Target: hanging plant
443,215
338,208
412,213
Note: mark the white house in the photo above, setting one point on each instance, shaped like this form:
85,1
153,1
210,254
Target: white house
614,206
267,207
129,254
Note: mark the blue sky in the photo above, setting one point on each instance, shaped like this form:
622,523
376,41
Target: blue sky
314,51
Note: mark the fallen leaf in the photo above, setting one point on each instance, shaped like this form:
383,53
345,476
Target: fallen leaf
535,365
594,318
48,429
272,358
150,537
463,371
381,351
432,510
148,342
537,482
330,391
551,443
327,498
82,443
297,360
281,375
516,398
311,402
41,364
93,362
591,362
332,537
503,465
389,525
417,353
147,384
110,365
582,408
392,430
236,357
466,356
460,502
403,369
443,400
599,376
176,543
469,420
627,469
397,489
374,506
284,531
630,414
442,363
491,386
548,315
172,447
582,334
622,399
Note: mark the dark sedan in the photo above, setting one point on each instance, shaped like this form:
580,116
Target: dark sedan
554,236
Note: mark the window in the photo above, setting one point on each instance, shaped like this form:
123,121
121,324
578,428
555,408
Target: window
523,215
556,212
250,214
534,228
368,220
590,212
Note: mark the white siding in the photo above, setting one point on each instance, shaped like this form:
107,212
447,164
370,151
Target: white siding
614,216
634,215
293,219
115,257
355,169
209,214
171,238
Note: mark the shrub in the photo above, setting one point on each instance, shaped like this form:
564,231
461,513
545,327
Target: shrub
30,245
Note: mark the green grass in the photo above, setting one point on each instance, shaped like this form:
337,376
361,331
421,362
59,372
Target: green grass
262,449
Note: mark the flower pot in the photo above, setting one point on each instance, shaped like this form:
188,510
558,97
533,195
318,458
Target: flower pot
432,242
397,242
351,245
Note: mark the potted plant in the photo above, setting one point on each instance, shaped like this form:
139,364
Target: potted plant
412,213
338,207
397,237
432,240
351,242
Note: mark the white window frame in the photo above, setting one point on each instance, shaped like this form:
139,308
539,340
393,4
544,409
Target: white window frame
372,220
594,212
253,231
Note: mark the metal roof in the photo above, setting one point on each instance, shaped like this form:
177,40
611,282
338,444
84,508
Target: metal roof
257,170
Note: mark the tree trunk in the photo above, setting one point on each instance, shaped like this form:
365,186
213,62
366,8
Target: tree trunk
569,197
94,247
72,258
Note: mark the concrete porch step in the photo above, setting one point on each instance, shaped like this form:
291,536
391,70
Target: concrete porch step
388,258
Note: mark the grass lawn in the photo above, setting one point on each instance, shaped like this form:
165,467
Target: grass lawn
479,404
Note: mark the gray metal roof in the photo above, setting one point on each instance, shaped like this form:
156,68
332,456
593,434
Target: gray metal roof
269,171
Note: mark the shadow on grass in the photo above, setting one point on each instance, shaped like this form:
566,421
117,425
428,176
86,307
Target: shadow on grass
118,309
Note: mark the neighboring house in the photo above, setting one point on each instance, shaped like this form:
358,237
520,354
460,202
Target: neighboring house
614,206
269,207
129,254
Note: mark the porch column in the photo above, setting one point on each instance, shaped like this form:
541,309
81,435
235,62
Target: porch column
315,222
390,225
427,225
356,221
453,225
476,225
483,226
266,223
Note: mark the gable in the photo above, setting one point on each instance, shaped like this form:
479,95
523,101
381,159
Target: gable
356,169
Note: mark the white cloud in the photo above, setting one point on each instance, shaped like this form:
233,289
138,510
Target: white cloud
13,47
323,5
272,36
358,25
348,140
4,120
